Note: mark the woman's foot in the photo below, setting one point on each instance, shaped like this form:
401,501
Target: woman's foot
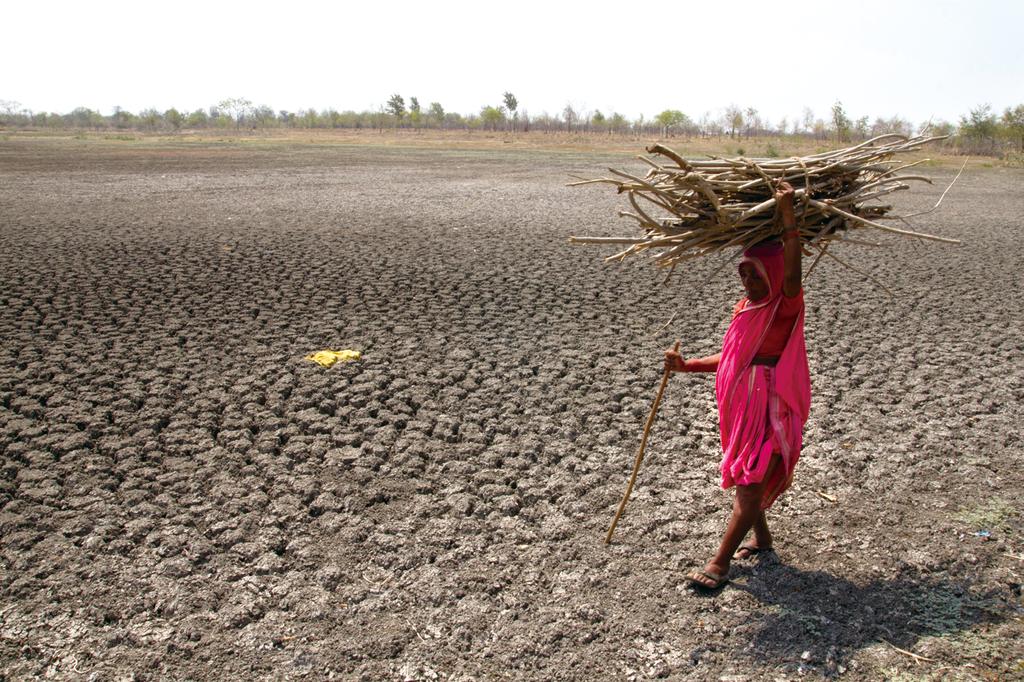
714,576
751,549
761,542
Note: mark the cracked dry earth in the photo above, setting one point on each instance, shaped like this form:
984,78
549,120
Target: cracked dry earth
183,496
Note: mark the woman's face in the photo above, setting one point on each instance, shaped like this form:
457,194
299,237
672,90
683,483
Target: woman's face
756,287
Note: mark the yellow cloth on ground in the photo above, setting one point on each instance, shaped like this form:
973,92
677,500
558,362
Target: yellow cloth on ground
327,358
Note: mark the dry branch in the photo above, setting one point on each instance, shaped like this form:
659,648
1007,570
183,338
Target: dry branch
693,208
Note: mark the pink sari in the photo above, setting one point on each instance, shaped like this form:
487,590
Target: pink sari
761,409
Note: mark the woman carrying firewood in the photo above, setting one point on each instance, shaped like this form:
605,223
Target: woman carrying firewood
762,386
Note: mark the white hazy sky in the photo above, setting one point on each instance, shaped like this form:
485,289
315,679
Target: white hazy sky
916,59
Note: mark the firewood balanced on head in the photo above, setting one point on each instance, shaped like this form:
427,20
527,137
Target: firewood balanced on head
693,208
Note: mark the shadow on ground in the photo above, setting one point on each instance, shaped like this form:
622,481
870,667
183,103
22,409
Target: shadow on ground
819,620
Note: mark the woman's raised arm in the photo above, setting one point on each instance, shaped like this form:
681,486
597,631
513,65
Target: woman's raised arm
792,255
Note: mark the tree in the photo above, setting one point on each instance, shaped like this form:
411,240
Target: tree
511,104
617,122
219,118
380,117
396,107
309,119
981,122
819,129
11,111
197,119
122,119
83,117
705,124
173,118
979,128
671,120
236,108
939,127
436,114
664,120
150,118
1013,124
861,127
840,122
753,120
900,126
570,117
808,119
414,112
453,119
733,119
263,116
492,117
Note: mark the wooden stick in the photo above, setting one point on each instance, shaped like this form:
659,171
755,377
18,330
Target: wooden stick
832,209
862,274
917,657
821,252
665,151
606,240
640,452
943,194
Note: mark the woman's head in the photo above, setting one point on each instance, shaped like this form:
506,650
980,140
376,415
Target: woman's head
761,271
753,282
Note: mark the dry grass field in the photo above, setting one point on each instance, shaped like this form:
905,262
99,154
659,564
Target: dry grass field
184,496
291,140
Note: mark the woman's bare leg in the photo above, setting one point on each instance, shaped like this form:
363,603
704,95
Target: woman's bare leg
746,514
763,536
746,509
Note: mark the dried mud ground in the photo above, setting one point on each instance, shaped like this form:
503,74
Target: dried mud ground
183,496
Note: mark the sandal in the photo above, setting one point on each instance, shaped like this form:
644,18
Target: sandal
750,550
696,582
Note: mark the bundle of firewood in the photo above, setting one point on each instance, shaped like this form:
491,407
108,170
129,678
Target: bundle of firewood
692,208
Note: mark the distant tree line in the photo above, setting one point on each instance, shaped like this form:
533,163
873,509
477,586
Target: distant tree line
981,131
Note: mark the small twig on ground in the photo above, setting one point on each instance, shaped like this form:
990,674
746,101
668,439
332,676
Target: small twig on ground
917,657
415,630
825,496
665,326
377,587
